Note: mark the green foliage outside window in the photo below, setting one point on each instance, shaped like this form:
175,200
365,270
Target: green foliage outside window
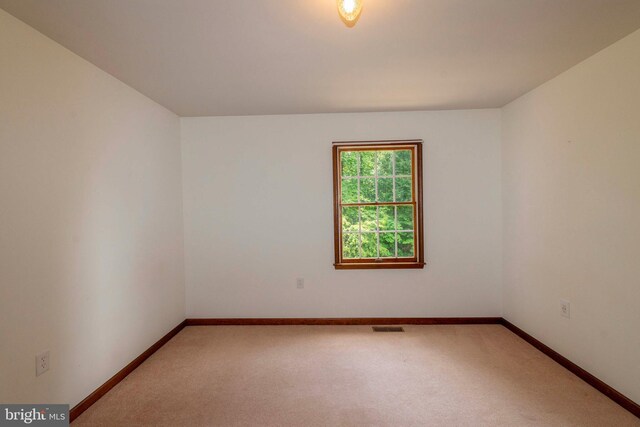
382,231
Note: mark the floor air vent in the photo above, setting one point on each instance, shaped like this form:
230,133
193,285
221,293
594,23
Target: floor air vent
388,329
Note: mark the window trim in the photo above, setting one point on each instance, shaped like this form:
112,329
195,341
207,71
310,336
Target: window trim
417,200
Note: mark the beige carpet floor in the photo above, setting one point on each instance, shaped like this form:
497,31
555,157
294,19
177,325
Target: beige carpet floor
472,375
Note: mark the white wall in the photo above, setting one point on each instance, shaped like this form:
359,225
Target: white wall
259,212
91,262
571,192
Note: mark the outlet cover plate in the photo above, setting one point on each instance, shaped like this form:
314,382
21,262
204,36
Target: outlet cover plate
565,309
42,363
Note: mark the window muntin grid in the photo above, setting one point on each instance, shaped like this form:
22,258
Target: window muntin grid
363,172
401,227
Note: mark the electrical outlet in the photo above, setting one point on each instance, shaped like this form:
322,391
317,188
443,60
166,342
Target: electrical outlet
565,309
300,283
42,363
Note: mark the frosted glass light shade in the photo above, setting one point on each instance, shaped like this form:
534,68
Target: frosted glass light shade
349,10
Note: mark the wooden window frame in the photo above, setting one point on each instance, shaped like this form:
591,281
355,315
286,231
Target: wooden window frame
415,145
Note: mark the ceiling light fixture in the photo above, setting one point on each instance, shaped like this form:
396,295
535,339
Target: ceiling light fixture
349,11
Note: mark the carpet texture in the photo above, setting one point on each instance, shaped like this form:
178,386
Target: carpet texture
449,375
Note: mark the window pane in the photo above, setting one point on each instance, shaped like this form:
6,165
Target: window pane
368,218
403,189
387,245
385,189
350,245
367,190
384,163
386,218
405,217
403,162
350,190
405,245
349,163
369,245
350,220
367,163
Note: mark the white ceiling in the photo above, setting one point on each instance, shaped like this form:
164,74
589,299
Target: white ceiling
237,57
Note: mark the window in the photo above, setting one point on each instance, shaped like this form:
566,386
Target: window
378,204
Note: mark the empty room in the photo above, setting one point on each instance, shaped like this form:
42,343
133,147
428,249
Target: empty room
320,212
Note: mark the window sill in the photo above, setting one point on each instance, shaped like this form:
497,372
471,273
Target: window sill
378,266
